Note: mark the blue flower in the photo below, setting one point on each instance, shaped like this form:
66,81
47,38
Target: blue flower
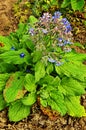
67,42
51,60
58,63
60,39
68,28
28,71
22,55
57,14
12,48
67,25
31,31
65,21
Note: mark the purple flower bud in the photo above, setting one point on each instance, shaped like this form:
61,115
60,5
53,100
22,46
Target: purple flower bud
22,55
51,60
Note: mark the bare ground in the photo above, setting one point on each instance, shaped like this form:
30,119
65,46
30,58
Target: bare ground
37,120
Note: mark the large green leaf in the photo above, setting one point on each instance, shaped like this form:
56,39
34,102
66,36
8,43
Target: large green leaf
2,102
74,107
57,103
72,86
13,56
73,69
54,99
3,79
73,56
77,4
39,71
14,88
18,111
30,99
30,83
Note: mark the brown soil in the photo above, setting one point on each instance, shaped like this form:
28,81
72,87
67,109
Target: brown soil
37,120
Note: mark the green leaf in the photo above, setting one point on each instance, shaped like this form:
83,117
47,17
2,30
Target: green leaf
73,69
72,86
7,43
65,3
3,79
13,56
18,111
49,68
37,55
28,43
32,19
22,28
57,102
30,99
77,4
74,107
39,71
14,88
43,102
2,102
46,80
73,56
30,83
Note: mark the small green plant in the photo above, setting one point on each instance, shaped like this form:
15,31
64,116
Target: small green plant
37,61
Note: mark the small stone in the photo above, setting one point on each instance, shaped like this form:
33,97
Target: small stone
72,128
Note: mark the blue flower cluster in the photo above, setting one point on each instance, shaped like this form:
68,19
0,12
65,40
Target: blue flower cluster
67,25
52,35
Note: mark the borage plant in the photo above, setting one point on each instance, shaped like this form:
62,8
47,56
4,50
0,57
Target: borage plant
38,61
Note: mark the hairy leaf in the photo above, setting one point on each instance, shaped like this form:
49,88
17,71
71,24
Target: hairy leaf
18,111
14,57
72,86
73,69
3,79
39,71
30,99
30,83
14,88
74,107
